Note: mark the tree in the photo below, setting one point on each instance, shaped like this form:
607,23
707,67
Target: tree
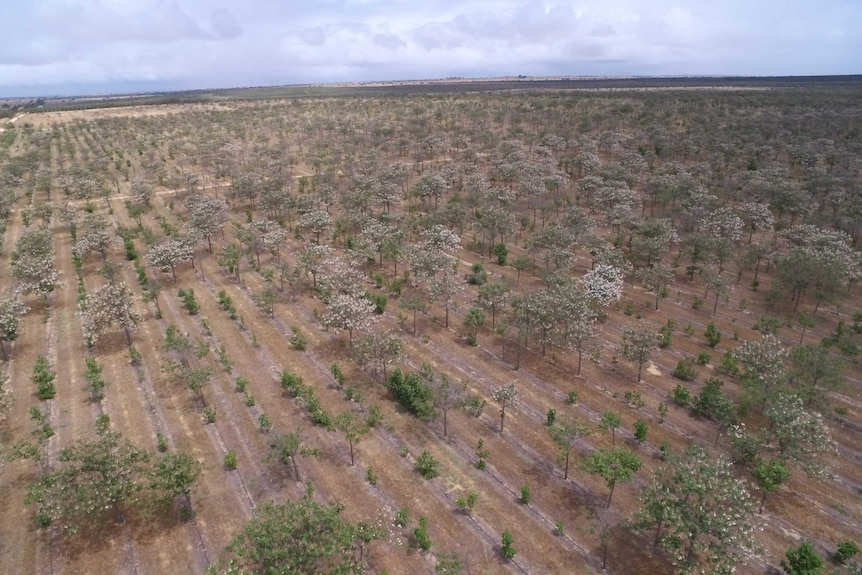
173,475
575,317
33,263
474,319
444,286
43,376
378,349
504,395
208,216
764,367
638,345
350,312
142,191
701,513
565,434
813,373
713,336
611,422
613,465
302,537
770,476
447,397
352,427
803,560
167,255
230,258
756,216
797,434
494,297
111,305
91,477
656,279
287,448
713,404
11,310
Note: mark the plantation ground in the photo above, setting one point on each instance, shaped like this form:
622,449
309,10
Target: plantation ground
164,143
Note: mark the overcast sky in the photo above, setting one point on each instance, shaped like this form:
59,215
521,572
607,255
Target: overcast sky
53,47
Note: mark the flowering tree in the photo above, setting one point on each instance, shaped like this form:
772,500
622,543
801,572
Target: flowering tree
112,305
604,283
350,312
315,221
92,235
11,310
701,512
33,263
208,216
504,395
797,434
167,255
652,239
378,349
445,286
142,191
91,478
756,216
764,367
310,260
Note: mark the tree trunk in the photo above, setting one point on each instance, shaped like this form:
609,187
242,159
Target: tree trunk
350,441
611,494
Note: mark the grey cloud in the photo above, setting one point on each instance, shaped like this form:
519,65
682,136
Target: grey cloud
389,41
224,25
312,36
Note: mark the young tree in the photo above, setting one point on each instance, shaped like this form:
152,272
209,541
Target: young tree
638,345
474,319
352,427
613,465
611,422
770,476
504,395
447,397
701,513
814,372
565,434
287,448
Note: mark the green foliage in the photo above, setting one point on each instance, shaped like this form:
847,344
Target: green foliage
241,384
189,302
297,339
611,422
402,518
525,494
681,395
713,336
846,551
703,358
370,476
43,376
729,365
378,299
413,392
803,560
447,564
613,465
264,422
161,442
95,383
572,397
427,466
478,276
337,373
226,303
420,535
665,334
300,536
770,476
641,430
209,414
502,252
230,460
467,503
508,545
551,418
685,370
481,455
767,324
129,247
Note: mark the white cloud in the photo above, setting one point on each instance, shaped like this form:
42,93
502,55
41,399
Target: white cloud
188,43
